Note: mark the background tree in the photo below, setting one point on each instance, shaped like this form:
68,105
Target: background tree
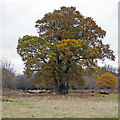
119,71
23,83
91,75
108,68
107,80
8,74
68,42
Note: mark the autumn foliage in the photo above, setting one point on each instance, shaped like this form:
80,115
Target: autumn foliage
67,43
107,80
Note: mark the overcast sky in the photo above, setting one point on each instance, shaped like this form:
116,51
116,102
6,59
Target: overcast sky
18,18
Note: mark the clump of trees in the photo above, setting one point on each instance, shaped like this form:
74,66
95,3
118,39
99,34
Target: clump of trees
91,76
107,80
23,83
67,43
108,68
11,80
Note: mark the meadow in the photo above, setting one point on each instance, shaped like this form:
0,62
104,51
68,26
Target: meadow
73,105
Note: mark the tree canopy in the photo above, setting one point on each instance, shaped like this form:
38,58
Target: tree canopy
107,80
68,23
67,42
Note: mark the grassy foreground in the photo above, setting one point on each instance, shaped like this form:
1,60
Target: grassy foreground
74,105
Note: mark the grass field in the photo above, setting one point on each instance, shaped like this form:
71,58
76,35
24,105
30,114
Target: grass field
74,105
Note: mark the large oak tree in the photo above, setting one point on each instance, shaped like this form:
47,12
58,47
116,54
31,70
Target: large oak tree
67,42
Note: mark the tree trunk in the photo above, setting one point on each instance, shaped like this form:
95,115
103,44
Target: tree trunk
62,89
67,88
56,88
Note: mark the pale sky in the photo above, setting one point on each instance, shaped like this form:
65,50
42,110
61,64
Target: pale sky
18,18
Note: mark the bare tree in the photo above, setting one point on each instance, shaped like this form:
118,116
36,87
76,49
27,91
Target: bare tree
8,74
4,63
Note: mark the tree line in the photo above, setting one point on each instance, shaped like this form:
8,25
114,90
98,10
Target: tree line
12,81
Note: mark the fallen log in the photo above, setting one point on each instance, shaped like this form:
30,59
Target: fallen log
104,92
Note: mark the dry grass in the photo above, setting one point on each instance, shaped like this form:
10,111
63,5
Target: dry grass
74,105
